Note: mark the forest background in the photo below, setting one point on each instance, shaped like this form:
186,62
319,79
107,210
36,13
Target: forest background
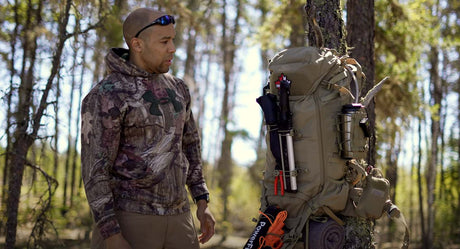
52,52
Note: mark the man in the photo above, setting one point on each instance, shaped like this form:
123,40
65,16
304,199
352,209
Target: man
140,146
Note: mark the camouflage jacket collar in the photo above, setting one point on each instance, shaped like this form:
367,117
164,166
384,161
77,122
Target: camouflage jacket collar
117,62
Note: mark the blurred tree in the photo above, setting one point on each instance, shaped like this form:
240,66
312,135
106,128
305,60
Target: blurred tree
399,35
230,32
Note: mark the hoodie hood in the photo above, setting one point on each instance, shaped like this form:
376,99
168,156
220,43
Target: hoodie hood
117,61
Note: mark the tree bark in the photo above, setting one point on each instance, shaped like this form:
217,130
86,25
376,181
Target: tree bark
328,15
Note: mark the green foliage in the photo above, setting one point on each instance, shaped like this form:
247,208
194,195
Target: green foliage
280,20
401,33
244,203
112,28
401,38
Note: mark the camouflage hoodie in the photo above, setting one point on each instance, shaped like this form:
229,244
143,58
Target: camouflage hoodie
139,146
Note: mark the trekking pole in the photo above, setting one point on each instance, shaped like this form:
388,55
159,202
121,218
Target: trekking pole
271,112
285,131
287,185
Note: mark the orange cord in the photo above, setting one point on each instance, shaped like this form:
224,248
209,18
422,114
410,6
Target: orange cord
273,237
266,216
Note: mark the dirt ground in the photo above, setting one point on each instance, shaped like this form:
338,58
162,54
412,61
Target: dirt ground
232,242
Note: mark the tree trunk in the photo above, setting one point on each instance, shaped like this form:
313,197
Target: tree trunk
331,34
18,161
80,96
293,16
225,174
436,95
67,158
12,62
458,141
202,100
23,140
73,139
225,163
360,38
391,173
443,186
419,184
65,180
56,131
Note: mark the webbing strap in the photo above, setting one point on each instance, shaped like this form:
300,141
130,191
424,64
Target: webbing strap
332,83
291,238
331,214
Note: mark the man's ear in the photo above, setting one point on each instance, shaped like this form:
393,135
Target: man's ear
137,45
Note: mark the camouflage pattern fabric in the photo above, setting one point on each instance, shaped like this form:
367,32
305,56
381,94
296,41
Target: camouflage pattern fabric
140,146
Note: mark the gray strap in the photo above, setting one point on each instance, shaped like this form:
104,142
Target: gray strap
395,214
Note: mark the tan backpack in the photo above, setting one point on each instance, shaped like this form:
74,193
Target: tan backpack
317,138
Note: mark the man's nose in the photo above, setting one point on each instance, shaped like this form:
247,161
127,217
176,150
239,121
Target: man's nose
172,47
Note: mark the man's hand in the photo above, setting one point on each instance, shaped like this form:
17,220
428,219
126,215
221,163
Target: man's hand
117,242
207,221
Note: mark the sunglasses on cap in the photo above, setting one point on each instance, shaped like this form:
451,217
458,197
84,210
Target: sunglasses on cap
162,20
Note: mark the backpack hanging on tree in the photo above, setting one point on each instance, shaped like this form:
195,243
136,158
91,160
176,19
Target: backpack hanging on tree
317,141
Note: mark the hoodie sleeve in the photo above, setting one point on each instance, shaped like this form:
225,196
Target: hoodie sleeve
191,146
99,145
